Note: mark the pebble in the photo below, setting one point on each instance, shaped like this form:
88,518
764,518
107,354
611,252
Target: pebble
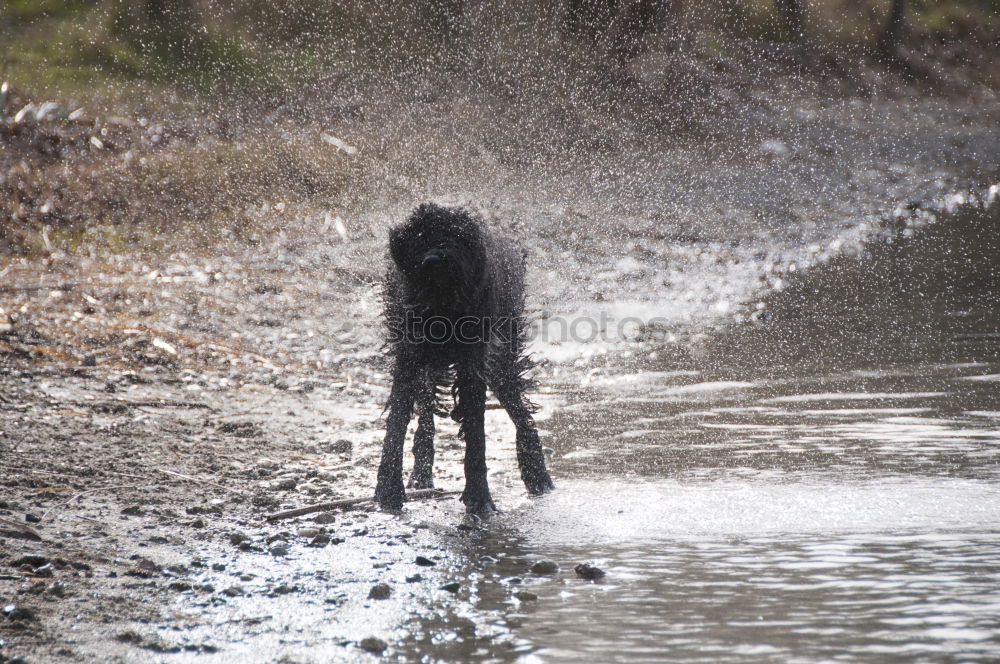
58,590
45,571
452,587
380,591
284,485
278,549
342,446
33,560
525,596
234,591
373,645
545,567
16,613
589,572
319,541
238,538
424,562
308,532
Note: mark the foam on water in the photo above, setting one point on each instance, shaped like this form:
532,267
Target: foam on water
615,511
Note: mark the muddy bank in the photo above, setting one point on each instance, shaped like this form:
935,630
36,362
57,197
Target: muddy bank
134,521
937,284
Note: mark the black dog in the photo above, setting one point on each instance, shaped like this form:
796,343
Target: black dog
454,302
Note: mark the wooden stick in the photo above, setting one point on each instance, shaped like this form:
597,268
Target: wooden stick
354,502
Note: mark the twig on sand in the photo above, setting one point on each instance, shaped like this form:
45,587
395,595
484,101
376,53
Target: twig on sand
174,473
348,503
39,287
121,403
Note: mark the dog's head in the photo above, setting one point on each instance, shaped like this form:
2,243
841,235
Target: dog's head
441,252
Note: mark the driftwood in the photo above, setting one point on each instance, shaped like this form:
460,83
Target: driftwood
348,503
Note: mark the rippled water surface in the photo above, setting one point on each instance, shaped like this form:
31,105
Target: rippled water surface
825,490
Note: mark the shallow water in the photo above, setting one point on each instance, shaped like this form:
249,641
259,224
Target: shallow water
821,485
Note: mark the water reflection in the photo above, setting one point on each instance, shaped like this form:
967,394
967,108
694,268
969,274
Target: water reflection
904,596
921,422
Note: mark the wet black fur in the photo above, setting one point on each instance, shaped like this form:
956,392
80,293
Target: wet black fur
450,266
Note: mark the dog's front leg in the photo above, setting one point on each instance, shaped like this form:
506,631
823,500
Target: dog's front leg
389,491
471,388
423,450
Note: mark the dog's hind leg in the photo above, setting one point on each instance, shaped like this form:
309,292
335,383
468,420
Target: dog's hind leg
423,449
470,387
389,491
530,457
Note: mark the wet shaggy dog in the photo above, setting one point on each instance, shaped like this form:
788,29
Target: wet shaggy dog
454,303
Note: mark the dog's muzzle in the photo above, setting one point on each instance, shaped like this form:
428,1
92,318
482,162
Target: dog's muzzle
432,258
434,264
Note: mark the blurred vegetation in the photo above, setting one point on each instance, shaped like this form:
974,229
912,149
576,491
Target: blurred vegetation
210,71
90,46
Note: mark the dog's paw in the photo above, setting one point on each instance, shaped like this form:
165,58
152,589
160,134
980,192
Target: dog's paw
538,482
482,508
480,504
390,497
